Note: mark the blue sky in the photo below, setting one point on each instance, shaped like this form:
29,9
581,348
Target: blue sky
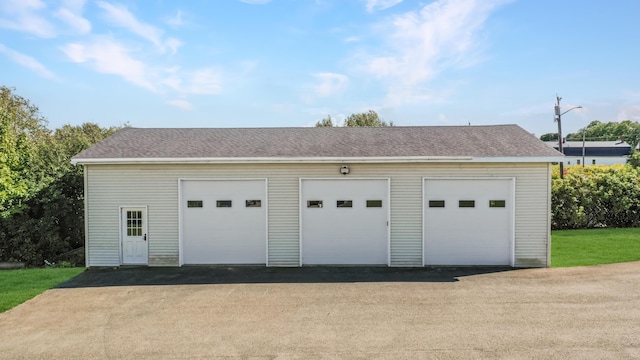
261,63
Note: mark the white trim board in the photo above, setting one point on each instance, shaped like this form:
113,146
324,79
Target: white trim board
316,160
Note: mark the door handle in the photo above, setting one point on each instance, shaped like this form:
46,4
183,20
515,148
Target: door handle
144,237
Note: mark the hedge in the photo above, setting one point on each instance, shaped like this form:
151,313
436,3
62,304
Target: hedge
595,196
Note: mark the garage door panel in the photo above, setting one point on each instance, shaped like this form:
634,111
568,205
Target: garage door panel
344,235
217,233
478,235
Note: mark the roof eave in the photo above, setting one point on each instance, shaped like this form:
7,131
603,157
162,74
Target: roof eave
316,160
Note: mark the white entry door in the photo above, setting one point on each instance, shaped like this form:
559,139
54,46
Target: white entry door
344,222
135,249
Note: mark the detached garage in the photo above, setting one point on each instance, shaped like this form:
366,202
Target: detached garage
394,196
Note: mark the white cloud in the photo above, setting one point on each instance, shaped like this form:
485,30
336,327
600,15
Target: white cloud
203,82
377,5
351,39
629,113
206,81
24,15
181,103
539,109
109,57
75,21
424,43
173,44
329,83
26,61
71,13
176,21
256,2
282,108
119,15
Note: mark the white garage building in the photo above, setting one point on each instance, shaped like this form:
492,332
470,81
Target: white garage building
396,196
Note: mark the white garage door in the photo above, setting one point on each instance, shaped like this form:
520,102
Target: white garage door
224,221
468,221
344,221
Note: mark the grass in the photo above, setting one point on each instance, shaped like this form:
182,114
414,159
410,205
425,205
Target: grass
594,246
18,286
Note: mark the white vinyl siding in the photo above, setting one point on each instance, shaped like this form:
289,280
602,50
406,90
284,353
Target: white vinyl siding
283,244
406,221
156,186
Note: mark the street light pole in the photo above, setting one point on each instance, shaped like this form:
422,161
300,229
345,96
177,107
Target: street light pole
558,118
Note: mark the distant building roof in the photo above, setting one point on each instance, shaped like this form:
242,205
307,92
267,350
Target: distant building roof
593,148
309,143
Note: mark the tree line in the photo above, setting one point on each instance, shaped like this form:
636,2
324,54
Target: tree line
626,130
41,193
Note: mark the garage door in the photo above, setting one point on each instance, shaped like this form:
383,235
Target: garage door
468,221
224,221
344,221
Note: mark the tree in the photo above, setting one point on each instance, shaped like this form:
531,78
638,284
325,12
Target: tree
22,129
41,193
611,131
549,137
369,118
70,140
634,159
50,223
326,122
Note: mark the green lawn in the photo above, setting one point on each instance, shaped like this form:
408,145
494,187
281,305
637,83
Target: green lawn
18,286
594,246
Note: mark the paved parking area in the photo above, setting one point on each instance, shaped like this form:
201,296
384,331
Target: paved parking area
327,313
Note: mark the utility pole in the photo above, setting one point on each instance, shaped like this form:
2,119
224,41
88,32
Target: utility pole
558,118
583,139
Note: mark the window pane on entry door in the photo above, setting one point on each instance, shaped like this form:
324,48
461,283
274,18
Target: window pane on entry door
134,223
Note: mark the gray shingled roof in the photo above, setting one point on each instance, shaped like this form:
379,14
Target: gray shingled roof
322,142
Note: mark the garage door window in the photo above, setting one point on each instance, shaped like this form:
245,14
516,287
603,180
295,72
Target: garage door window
497,203
194,203
223,203
344,203
374,203
467,203
436,203
254,203
314,203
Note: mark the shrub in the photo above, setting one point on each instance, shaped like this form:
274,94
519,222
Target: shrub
596,196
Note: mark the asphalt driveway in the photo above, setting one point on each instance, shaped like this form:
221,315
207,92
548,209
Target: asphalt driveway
326,313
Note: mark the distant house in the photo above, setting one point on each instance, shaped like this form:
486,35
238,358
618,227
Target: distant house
594,152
